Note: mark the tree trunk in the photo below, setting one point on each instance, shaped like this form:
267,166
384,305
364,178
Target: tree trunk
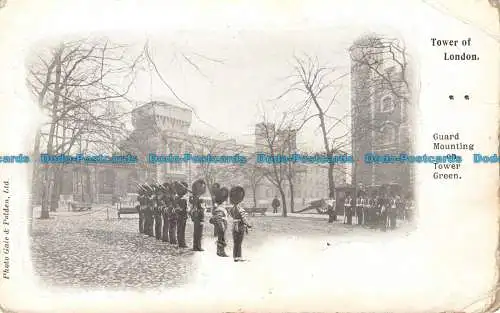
45,194
331,181
57,188
254,192
35,185
283,200
292,202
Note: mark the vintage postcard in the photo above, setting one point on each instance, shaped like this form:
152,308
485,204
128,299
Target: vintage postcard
249,156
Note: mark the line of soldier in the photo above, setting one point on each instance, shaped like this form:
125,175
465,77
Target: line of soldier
163,212
377,210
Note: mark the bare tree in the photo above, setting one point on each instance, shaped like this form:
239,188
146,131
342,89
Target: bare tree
76,84
377,64
380,69
271,145
252,176
215,172
320,86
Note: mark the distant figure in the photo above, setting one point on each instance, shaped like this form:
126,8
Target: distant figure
348,210
276,204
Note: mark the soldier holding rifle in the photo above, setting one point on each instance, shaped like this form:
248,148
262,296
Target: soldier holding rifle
164,211
219,219
157,212
140,207
181,211
172,219
148,212
197,213
348,210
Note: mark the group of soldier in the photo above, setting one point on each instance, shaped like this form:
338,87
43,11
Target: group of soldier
380,210
163,213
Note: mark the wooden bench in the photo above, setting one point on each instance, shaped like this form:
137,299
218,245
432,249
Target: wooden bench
80,206
252,211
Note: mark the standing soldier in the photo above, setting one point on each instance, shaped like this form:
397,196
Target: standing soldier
275,204
167,200
383,211
157,211
140,199
359,208
370,210
348,210
148,213
172,223
219,219
197,213
240,222
181,211
393,212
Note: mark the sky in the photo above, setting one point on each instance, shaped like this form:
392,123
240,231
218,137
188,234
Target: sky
239,75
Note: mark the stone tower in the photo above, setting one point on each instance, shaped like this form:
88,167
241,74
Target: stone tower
380,101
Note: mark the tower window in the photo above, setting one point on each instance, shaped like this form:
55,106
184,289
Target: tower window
387,104
388,134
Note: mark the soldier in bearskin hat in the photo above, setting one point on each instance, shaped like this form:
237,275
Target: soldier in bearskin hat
172,220
148,212
240,222
197,213
157,210
392,210
140,207
181,211
360,202
348,208
166,202
219,219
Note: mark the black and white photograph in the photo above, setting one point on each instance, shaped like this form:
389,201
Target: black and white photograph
313,160
296,137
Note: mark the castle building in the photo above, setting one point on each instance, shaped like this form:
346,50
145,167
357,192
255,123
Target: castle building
163,129
380,110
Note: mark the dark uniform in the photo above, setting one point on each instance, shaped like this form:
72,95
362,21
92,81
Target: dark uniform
198,217
359,210
172,225
219,220
383,204
164,215
348,211
240,222
148,215
392,213
165,202
197,213
140,209
182,212
157,213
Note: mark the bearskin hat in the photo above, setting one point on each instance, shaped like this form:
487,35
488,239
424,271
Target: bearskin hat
221,195
237,194
199,187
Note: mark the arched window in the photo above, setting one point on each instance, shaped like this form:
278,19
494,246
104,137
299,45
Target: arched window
388,134
387,103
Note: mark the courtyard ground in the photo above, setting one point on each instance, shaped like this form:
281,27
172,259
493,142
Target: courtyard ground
95,249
